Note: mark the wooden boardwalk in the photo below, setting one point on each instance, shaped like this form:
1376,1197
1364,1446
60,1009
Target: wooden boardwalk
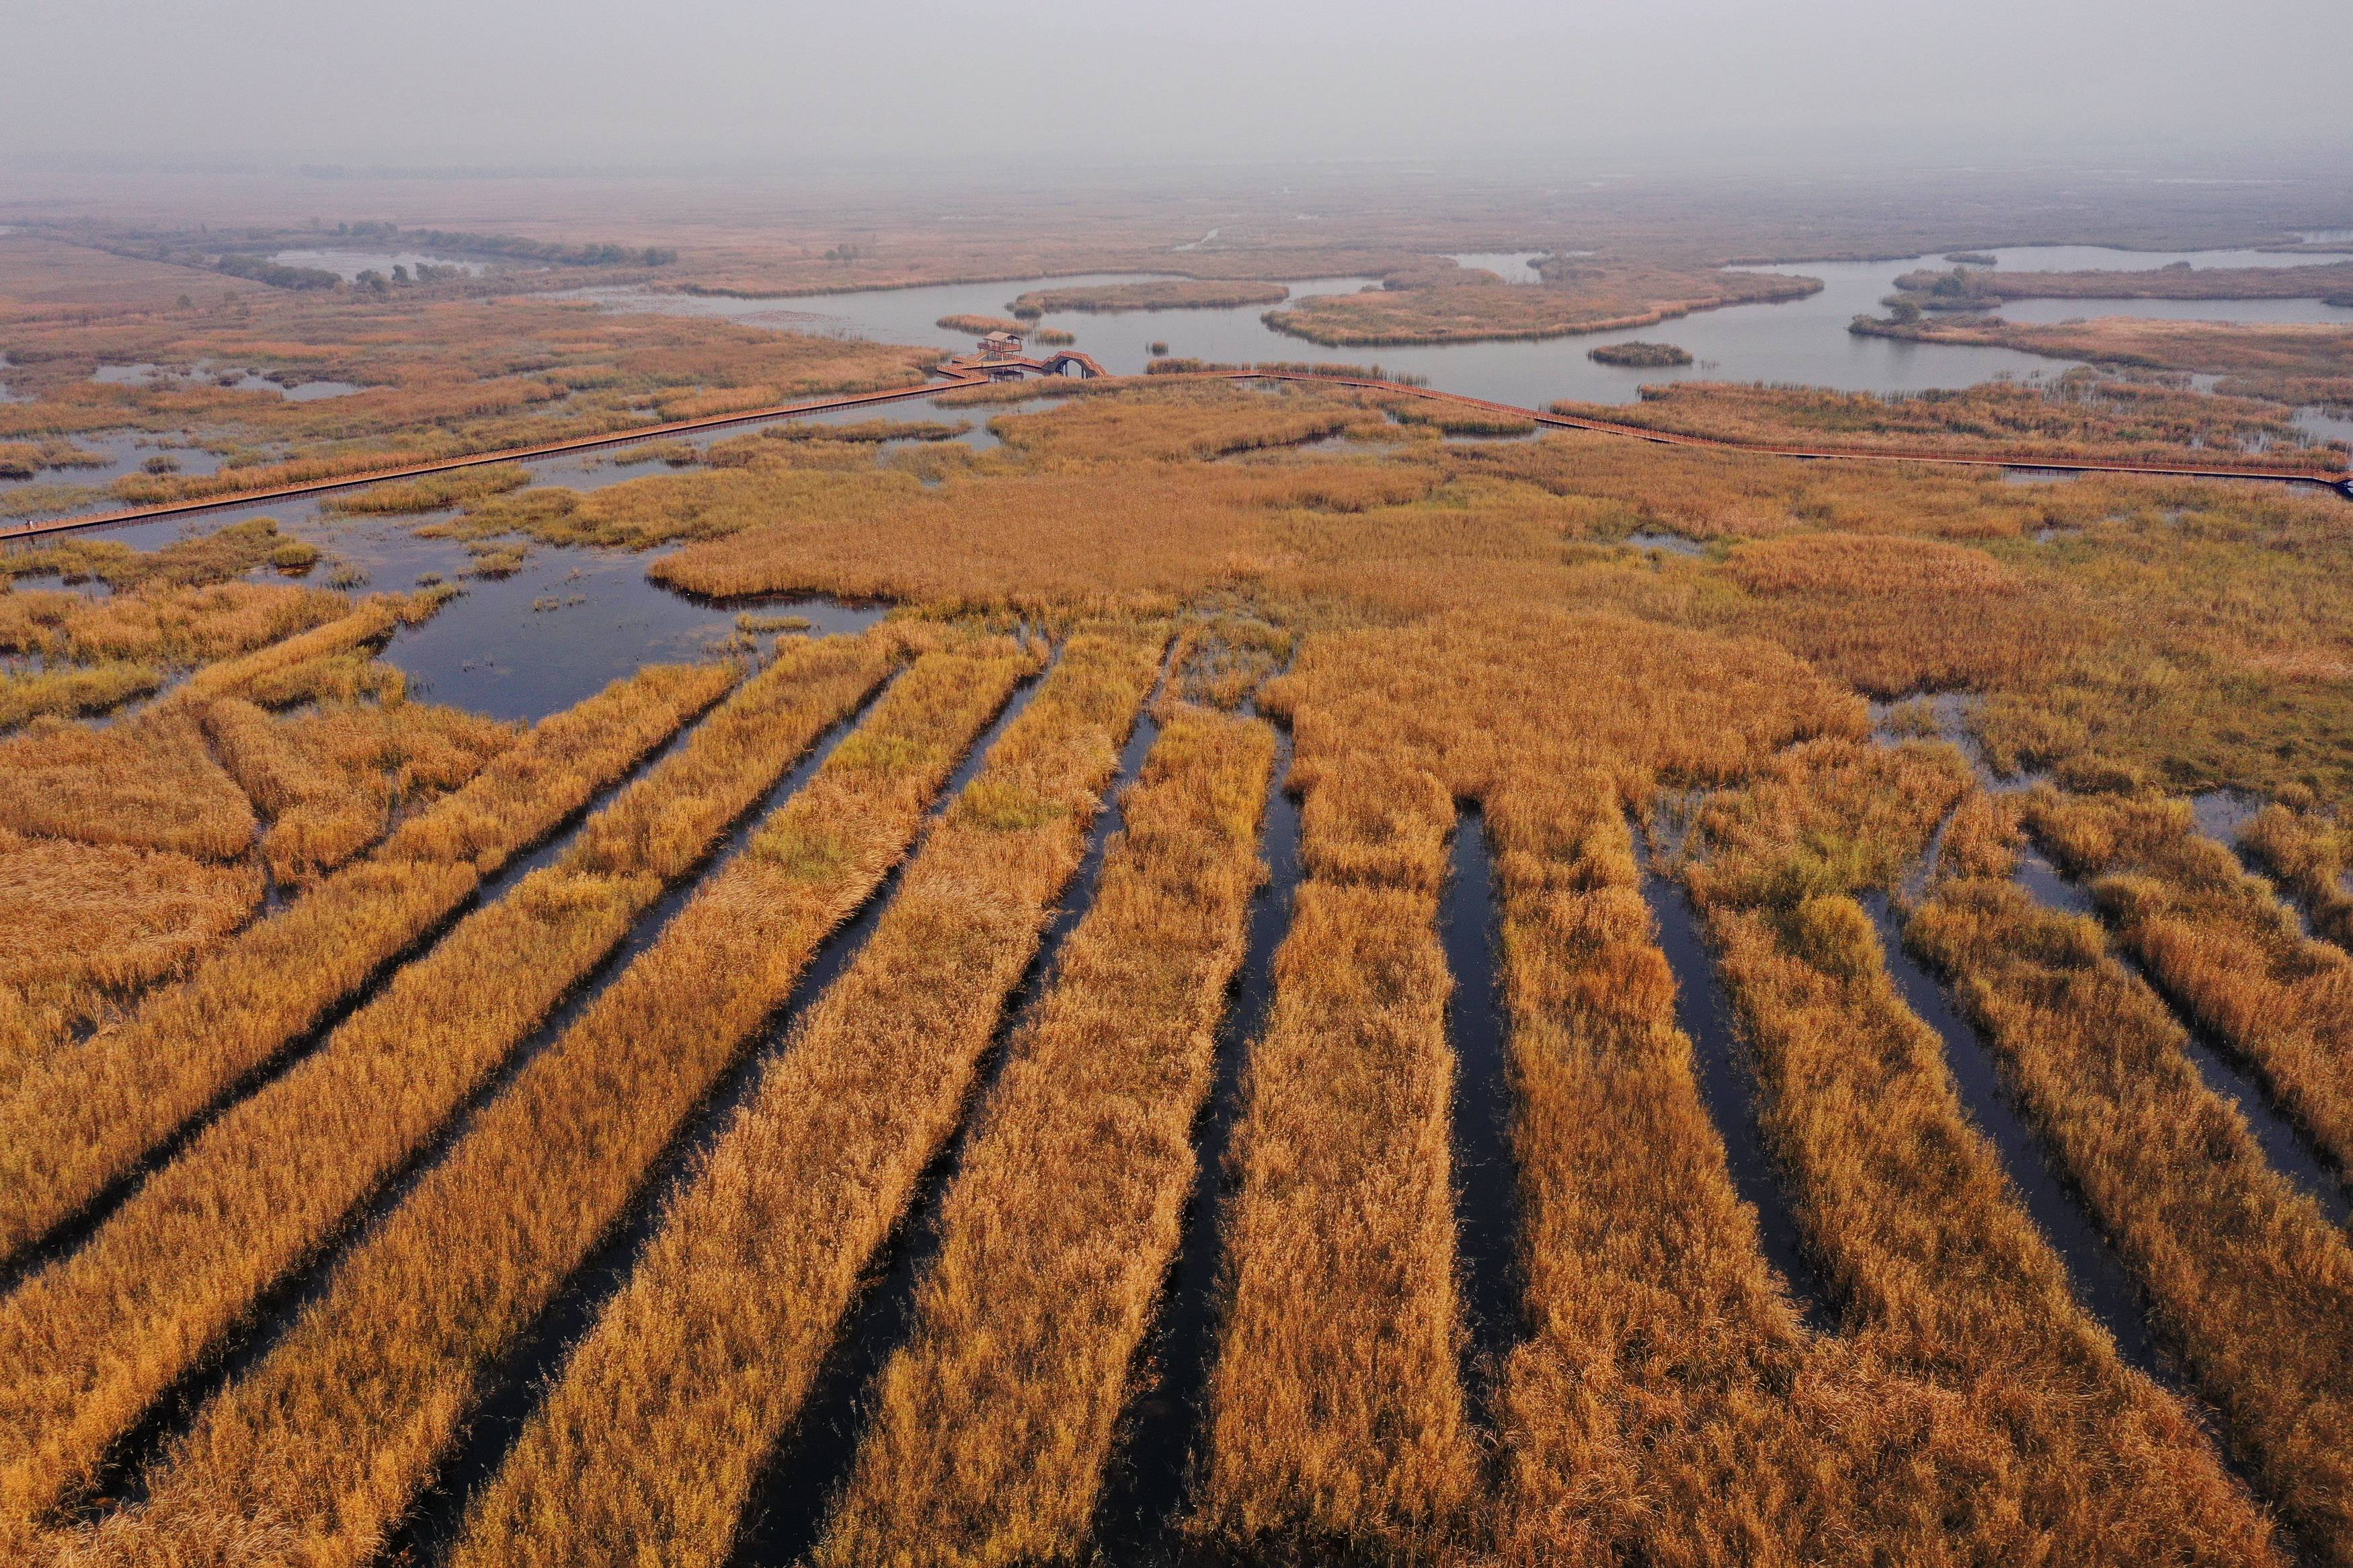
971,371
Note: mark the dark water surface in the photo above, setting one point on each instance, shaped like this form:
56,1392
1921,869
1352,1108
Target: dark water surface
1486,1188
1728,1085
811,1463
2098,1276
1163,1428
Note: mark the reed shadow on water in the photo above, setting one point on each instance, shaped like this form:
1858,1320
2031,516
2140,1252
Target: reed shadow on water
1728,1085
279,1308
1486,1189
1159,1447
811,1463
2284,1144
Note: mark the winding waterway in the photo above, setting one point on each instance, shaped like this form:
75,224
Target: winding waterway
570,620
1803,340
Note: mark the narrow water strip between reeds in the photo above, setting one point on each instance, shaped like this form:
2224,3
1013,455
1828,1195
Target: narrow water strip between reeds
1656,1409
218,1254
2102,1284
1338,1413
811,1462
660,1422
1159,1444
507,1394
2250,1283
353,1409
510,1393
993,1423
1952,1305
1728,1085
2288,1148
88,1120
1486,1185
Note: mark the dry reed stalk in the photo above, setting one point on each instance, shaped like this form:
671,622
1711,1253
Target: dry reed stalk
336,1429
2218,940
994,1424
83,926
648,1445
2249,1279
165,623
1651,1414
372,622
2082,414
91,1341
2060,1452
2309,852
1337,1414
147,783
332,779
85,1117
68,692
1338,1398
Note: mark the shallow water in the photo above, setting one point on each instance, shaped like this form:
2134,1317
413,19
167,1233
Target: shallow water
2094,1270
245,380
1704,1012
570,622
1803,340
1486,1191
1511,266
2223,814
126,452
1164,1424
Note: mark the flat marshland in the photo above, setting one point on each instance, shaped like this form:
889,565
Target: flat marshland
867,1086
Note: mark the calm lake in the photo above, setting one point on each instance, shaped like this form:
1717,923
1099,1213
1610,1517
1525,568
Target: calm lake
572,619
1798,341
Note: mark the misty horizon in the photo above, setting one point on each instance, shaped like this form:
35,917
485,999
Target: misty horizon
1046,86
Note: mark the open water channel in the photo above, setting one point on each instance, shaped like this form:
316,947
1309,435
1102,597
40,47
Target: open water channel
574,618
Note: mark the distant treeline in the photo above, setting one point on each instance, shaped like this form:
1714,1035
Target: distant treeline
552,252
261,270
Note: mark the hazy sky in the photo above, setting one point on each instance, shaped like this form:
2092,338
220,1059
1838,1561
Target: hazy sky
410,82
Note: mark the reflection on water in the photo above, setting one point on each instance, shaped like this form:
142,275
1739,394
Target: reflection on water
1674,544
2045,312
349,264
1803,340
1511,266
124,452
519,647
236,378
